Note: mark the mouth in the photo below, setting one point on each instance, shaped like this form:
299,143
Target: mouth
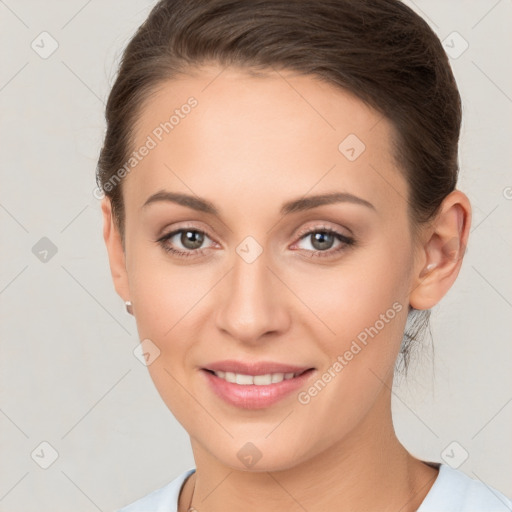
256,380
255,386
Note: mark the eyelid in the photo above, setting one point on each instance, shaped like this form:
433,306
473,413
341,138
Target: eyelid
178,226
323,225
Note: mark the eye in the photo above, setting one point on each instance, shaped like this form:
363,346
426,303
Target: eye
323,239
187,242
189,239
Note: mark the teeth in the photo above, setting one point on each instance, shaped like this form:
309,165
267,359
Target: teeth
243,379
262,380
258,380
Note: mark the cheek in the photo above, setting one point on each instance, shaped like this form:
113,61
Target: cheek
364,304
166,298
365,291
164,294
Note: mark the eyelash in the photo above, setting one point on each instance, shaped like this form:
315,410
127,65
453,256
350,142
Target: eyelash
346,242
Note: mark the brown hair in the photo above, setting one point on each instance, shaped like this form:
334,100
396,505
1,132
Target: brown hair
380,50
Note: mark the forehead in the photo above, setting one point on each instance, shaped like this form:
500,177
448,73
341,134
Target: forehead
277,134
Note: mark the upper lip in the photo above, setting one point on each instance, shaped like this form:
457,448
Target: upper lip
254,368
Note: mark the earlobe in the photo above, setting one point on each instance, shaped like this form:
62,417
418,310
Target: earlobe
443,252
115,250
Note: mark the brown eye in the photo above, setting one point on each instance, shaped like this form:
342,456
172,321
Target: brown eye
184,242
191,239
322,240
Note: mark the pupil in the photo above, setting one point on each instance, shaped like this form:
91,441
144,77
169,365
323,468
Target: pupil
192,239
319,240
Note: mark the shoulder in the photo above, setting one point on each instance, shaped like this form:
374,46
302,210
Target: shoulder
454,491
164,499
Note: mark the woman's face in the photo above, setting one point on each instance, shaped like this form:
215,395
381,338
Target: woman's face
259,279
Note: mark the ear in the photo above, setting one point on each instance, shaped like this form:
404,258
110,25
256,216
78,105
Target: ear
115,250
442,251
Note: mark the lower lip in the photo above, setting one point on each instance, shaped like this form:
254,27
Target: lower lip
251,396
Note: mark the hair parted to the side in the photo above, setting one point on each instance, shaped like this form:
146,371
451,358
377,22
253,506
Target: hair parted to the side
379,50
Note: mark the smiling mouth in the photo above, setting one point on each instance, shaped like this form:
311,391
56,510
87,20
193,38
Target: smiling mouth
255,389
256,380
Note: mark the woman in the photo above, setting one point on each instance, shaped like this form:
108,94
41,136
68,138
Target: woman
280,183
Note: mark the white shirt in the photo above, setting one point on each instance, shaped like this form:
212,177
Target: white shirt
452,491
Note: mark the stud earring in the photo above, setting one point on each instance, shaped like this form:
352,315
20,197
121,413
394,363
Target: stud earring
129,308
426,270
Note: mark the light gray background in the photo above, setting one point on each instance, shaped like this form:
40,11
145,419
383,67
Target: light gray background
68,375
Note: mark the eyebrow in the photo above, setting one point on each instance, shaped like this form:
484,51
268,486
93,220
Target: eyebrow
196,203
309,202
296,205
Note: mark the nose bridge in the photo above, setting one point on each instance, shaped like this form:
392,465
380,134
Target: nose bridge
251,303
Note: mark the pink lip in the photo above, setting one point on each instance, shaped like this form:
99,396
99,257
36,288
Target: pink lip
252,396
256,368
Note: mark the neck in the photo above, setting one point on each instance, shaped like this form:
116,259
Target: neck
367,470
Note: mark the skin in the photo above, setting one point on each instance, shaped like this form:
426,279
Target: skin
251,144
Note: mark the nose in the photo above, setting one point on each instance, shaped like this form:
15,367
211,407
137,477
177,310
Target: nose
252,302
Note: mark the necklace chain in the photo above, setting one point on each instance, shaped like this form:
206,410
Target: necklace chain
190,507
